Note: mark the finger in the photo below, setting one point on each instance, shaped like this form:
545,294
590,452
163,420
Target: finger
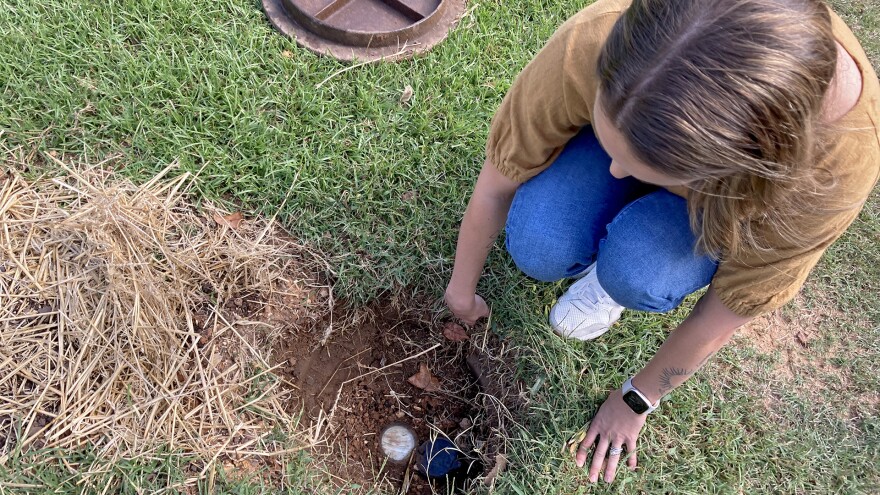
631,454
584,448
613,458
598,458
583,451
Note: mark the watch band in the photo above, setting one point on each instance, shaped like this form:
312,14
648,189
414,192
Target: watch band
636,400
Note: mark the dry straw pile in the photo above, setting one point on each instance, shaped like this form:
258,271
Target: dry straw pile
112,297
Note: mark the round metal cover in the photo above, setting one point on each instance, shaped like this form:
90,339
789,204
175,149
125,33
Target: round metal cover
365,30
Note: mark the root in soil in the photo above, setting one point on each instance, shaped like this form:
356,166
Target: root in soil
356,384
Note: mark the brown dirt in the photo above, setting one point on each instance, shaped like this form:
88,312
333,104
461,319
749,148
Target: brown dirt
355,384
791,332
347,373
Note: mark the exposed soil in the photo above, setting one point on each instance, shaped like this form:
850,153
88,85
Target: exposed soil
348,374
791,331
356,383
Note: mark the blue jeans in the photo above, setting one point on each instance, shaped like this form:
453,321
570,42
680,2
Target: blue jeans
576,212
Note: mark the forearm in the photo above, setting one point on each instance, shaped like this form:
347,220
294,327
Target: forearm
708,328
482,222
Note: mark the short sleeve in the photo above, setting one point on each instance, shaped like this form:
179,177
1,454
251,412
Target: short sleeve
762,281
757,285
552,98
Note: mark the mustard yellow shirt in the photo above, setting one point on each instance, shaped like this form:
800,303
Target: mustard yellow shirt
552,98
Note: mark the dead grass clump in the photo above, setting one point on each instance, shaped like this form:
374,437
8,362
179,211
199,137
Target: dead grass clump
112,301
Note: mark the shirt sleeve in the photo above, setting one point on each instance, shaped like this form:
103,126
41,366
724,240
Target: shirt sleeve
551,99
763,281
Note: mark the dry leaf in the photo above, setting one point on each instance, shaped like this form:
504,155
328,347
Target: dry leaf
454,332
232,221
424,379
802,339
498,468
407,94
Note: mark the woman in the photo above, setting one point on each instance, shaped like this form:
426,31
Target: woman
652,149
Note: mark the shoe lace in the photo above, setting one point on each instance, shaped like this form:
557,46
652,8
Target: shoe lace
588,292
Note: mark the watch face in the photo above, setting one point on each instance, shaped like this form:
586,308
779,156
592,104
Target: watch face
635,402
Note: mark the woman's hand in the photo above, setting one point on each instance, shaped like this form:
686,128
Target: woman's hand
482,222
687,348
468,309
614,426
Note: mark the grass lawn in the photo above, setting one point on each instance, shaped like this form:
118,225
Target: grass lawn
380,187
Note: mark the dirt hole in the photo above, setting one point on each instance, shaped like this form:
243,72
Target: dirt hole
347,373
220,335
354,383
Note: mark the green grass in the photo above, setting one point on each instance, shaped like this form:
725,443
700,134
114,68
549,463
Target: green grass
209,85
156,472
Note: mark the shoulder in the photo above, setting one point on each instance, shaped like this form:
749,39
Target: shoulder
854,159
601,8
577,45
864,85
594,22
845,89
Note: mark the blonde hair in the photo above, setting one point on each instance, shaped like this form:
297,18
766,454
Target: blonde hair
727,95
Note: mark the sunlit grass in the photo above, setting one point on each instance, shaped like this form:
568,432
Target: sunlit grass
380,187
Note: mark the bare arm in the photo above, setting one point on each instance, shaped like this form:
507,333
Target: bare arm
709,326
483,220
700,336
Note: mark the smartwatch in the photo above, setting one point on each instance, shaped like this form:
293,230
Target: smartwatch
635,399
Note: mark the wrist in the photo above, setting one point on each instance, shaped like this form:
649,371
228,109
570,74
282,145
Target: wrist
636,400
652,397
459,298
463,281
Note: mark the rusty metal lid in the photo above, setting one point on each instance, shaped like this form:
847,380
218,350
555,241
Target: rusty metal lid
365,30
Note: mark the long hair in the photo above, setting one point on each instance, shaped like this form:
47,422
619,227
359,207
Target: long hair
728,96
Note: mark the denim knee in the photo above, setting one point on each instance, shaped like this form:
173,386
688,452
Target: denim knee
633,291
544,260
648,262
558,217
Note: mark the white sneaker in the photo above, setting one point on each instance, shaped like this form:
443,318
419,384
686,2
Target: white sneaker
585,311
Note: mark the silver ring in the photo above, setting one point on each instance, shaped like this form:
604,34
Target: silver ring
615,451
